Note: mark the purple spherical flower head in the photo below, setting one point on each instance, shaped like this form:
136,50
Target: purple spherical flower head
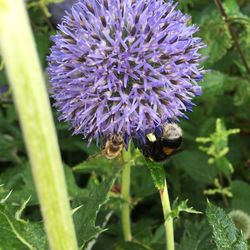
124,66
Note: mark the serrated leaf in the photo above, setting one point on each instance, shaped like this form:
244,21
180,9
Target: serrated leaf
4,196
19,179
225,234
85,217
182,206
213,26
20,211
20,234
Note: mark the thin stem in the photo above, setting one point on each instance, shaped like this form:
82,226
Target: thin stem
32,103
223,195
169,227
125,193
233,34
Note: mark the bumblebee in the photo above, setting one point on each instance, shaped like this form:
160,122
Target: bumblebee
112,146
161,148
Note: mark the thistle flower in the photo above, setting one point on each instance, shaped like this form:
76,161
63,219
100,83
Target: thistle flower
124,66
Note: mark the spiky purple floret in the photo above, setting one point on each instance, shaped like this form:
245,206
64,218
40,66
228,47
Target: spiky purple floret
124,66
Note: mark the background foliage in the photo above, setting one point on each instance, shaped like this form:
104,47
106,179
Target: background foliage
214,164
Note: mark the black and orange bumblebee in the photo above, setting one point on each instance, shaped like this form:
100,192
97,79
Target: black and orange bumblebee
159,149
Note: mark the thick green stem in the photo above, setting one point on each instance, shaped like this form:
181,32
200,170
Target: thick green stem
125,192
169,227
32,103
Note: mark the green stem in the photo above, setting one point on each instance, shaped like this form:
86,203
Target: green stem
32,103
169,227
125,193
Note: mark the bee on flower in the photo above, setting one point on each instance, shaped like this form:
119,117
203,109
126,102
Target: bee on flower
124,67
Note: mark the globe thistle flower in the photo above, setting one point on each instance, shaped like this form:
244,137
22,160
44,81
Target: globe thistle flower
124,66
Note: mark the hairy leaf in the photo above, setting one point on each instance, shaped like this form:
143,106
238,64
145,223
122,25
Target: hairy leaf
225,233
17,233
85,217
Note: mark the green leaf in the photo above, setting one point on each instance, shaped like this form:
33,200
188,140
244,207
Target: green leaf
231,7
225,234
217,83
141,182
225,166
73,190
85,217
43,44
19,179
158,174
218,147
10,137
182,206
242,95
219,189
196,236
96,163
213,26
241,191
159,236
17,233
213,83
195,164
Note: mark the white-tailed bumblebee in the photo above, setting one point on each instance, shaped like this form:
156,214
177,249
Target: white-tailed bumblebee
161,148
112,146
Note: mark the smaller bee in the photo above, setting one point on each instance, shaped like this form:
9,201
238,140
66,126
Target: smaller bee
112,146
160,149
